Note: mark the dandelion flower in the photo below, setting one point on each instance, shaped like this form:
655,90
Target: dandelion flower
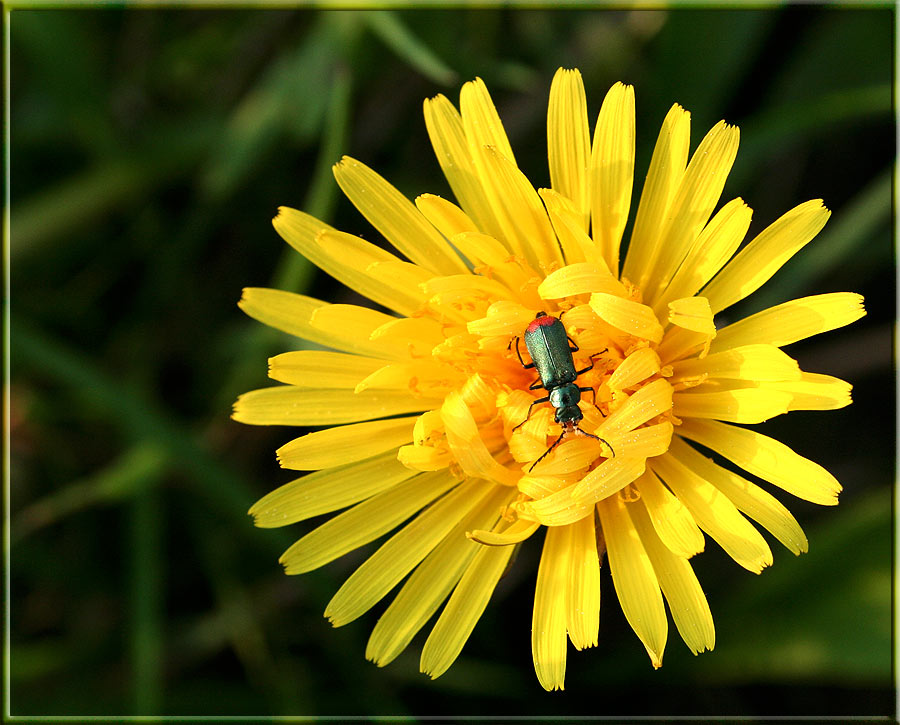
434,431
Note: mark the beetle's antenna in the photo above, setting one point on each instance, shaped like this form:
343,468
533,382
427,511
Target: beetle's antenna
555,443
581,432
565,430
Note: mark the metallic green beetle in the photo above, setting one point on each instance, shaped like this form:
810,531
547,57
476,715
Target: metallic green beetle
548,345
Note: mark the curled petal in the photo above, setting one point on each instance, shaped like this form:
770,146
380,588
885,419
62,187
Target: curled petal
514,534
646,403
631,317
467,446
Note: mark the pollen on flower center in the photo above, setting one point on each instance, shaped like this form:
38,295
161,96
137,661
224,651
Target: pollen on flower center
597,392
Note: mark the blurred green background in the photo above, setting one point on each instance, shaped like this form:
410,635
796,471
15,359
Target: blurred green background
149,151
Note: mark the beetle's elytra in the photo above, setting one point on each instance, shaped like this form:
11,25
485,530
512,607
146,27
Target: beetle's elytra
551,354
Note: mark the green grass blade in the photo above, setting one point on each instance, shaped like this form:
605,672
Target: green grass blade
391,30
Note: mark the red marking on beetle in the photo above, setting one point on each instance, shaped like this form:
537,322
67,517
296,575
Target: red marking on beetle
540,322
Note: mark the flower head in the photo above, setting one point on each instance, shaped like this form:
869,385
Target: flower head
445,426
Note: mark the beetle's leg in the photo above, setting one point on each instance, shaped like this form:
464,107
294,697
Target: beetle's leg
555,443
536,385
574,347
594,391
531,407
529,365
591,366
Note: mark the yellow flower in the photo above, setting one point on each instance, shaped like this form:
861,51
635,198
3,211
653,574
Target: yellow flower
430,405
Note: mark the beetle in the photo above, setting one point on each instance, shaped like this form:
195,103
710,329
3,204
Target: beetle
549,347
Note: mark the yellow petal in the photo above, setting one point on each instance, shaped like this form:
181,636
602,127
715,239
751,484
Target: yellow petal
364,522
650,440
363,272
396,218
329,490
444,215
401,274
355,322
634,369
476,285
417,335
429,585
481,121
290,405
400,554
767,458
422,378
673,523
493,259
715,514
713,248
557,509
762,257
594,334
747,405
343,322
445,129
503,318
480,397
424,458
343,256
749,498
510,534
482,248
292,313
569,141
568,457
612,171
518,209
284,311
577,279
569,225
815,392
792,321
345,444
692,313
583,584
321,368
663,178
634,579
463,610
647,402
548,623
606,479
679,584
626,315
680,343
537,487
698,192
748,362
300,230
697,195
468,447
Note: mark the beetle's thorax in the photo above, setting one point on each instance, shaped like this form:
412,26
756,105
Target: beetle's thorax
565,400
565,396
